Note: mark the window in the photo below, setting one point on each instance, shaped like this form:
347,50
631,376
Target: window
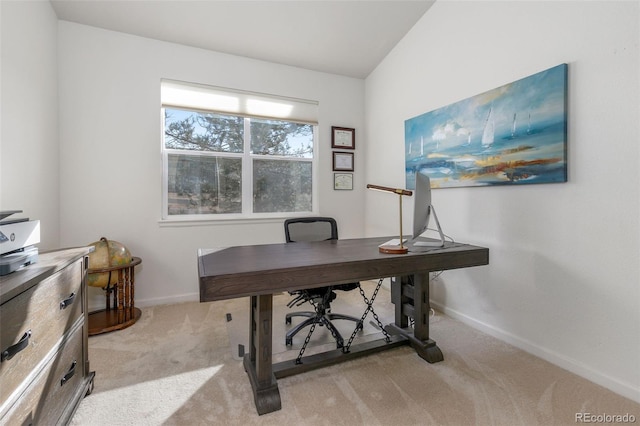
230,154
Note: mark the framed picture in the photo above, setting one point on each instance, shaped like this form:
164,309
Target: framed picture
343,138
343,161
342,181
515,134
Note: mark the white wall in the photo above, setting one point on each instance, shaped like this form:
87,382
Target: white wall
563,280
110,139
29,115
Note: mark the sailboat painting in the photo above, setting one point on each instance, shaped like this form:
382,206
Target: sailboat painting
514,134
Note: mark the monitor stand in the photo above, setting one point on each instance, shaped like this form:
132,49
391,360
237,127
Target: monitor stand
432,243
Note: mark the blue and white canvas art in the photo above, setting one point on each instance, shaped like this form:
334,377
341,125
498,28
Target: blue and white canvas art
514,134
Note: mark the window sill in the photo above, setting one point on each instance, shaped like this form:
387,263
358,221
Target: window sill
180,223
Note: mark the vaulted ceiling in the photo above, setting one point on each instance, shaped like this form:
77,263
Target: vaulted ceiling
346,37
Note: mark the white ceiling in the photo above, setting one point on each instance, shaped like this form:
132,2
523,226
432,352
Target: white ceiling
345,37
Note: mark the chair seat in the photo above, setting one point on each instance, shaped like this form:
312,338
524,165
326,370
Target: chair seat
346,287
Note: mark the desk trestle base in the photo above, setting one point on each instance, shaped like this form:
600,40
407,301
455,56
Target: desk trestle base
313,362
257,363
410,295
426,349
265,395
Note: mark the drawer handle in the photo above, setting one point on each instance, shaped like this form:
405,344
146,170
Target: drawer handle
69,374
68,301
12,350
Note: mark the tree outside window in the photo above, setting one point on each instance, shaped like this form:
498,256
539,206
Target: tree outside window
220,164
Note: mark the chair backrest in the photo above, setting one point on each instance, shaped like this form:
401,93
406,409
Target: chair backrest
310,229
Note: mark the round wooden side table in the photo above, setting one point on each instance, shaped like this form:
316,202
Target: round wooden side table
123,313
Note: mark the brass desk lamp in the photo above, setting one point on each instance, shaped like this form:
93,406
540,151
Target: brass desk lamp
401,248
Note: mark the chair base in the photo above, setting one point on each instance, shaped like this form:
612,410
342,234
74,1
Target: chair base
322,319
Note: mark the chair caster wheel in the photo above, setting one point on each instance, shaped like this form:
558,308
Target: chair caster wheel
287,320
288,342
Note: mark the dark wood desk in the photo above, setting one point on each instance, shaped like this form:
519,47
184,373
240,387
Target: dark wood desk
263,270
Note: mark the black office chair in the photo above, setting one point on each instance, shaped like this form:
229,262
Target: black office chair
316,229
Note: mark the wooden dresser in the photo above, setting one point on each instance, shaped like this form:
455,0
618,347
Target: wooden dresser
44,368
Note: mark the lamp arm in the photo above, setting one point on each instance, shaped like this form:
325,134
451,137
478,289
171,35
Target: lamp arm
394,190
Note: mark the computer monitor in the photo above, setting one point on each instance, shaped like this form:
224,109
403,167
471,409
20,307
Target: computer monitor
422,212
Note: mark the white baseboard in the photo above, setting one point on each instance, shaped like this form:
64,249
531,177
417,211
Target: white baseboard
188,297
625,389
145,303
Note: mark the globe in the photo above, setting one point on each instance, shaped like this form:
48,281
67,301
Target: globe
107,253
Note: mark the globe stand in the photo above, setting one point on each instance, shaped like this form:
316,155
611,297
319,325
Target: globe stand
123,314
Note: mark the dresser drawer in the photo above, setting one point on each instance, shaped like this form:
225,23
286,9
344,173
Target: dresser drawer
35,321
45,399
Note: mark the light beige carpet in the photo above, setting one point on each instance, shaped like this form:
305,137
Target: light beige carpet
175,367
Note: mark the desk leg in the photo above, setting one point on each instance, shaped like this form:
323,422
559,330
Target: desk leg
258,362
413,300
426,348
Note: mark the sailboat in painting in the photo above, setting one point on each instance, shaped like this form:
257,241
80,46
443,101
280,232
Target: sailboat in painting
489,130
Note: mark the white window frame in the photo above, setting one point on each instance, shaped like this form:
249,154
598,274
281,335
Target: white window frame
246,156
